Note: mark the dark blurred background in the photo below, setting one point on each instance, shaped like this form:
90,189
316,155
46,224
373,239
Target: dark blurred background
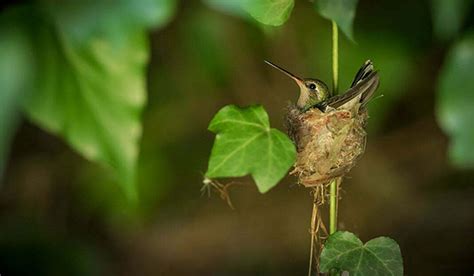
63,215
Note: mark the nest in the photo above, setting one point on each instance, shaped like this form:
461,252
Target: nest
328,143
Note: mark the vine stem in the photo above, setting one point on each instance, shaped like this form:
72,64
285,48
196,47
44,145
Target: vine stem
334,185
335,58
335,74
333,189
313,236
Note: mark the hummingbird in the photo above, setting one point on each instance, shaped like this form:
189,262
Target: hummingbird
314,93
329,130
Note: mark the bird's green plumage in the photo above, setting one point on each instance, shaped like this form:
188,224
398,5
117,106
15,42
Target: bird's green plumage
312,93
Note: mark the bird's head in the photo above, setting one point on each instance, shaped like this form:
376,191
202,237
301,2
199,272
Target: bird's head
312,91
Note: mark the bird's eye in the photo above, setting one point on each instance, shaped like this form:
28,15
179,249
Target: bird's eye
312,86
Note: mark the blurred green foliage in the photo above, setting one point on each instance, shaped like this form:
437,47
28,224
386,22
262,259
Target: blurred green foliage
15,78
203,38
269,12
230,7
449,17
341,11
89,87
455,101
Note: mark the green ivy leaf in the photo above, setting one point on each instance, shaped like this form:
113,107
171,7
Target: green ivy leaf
90,85
455,101
343,251
269,12
448,16
16,68
245,144
341,11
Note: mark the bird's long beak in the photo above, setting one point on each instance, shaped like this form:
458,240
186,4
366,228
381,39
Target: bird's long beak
298,80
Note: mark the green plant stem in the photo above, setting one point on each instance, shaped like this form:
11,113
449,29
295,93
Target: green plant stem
333,187
335,58
333,207
313,236
334,184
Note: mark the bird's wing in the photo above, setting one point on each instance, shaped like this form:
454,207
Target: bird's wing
369,92
363,72
365,82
